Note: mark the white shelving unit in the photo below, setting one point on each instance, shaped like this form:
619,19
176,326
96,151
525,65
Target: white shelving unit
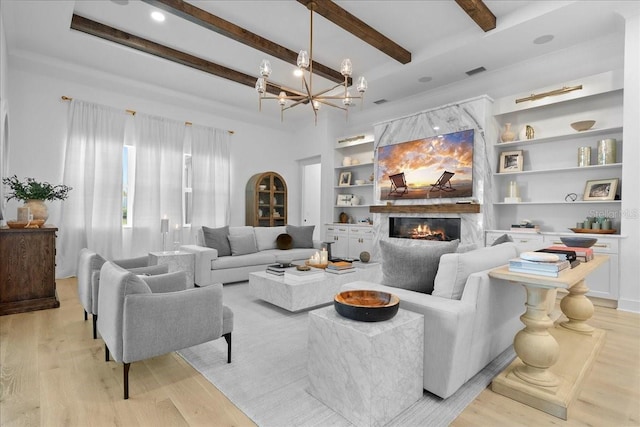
550,161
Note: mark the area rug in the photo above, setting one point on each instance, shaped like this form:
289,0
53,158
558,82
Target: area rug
267,378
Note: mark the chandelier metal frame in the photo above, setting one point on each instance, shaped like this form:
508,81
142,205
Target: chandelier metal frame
306,95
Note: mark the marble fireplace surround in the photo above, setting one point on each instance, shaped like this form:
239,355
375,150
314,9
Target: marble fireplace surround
474,113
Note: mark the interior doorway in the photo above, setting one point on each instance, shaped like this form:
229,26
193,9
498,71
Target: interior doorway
311,172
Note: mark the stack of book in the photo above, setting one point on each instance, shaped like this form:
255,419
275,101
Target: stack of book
340,267
582,254
525,228
296,275
543,265
563,254
278,269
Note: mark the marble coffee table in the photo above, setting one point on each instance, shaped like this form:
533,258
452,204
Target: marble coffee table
369,372
296,295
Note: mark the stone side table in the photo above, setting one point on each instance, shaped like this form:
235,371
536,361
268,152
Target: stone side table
368,372
177,261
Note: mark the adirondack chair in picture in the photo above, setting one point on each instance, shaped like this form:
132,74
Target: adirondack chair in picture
444,182
398,185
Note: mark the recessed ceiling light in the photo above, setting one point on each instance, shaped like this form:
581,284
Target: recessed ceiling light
425,79
543,39
157,16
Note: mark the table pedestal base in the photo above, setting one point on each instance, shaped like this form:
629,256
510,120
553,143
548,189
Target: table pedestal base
577,354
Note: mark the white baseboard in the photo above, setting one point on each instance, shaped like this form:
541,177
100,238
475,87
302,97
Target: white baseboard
629,305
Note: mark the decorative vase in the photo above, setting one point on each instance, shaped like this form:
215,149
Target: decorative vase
507,134
38,208
365,256
344,218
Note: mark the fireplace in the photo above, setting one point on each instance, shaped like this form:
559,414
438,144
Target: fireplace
441,229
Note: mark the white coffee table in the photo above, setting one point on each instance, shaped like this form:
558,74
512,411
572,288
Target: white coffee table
177,261
295,295
369,372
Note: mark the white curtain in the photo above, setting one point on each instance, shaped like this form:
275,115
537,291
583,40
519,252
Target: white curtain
92,215
211,178
159,146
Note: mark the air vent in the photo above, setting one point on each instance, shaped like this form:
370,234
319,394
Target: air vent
475,71
380,101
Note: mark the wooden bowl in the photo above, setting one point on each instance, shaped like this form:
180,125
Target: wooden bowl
583,125
366,305
17,224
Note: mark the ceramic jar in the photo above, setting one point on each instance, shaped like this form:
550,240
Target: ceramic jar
507,134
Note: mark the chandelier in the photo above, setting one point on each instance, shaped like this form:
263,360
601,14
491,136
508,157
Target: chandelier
289,98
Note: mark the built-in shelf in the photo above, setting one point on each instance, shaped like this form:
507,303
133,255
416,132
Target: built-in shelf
577,202
351,206
444,208
355,166
351,186
571,169
556,138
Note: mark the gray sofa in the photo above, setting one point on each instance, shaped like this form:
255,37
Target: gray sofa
251,249
469,318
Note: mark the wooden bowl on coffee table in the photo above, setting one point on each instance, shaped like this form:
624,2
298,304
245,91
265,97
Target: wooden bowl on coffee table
366,305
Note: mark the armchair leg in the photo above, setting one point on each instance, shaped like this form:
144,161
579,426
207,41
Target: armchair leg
125,372
106,353
227,337
95,326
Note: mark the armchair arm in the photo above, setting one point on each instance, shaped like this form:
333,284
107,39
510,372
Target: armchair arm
129,263
155,324
169,282
204,257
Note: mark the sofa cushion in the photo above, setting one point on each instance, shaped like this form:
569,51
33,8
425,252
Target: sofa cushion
284,242
302,235
266,236
454,269
413,267
217,238
242,244
502,239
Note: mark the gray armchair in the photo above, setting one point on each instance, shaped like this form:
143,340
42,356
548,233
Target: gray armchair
144,317
88,277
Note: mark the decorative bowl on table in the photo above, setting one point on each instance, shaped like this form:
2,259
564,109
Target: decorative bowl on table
583,125
17,224
360,182
579,242
366,305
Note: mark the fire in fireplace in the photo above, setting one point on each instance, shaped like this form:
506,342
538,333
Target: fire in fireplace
442,229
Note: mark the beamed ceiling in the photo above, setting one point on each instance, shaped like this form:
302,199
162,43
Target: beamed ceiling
211,49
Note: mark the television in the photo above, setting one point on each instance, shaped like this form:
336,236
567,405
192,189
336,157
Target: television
437,167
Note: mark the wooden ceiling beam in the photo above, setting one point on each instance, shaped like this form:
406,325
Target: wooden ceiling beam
214,23
358,28
106,32
479,12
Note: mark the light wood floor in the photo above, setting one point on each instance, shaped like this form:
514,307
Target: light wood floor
54,373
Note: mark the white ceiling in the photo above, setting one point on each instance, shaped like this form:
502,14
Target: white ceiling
443,40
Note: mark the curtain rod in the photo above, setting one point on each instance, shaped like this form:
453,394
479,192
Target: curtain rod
133,113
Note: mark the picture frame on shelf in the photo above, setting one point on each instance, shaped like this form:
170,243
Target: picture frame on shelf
344,200
601,189
511,161
345,179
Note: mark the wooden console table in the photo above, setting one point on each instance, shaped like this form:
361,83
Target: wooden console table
552,360
27,269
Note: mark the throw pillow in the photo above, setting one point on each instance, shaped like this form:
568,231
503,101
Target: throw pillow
242,244
502,239
413,267
454,269
217,238
266,236
302,236
284,241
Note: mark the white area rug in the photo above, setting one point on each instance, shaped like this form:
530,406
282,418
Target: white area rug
267,378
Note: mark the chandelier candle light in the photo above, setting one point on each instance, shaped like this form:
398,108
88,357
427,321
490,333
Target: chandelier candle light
305,66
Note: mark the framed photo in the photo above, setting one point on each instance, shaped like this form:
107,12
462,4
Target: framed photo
601,189
344,199
511,161
345,179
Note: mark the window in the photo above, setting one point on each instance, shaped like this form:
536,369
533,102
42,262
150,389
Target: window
187,191
128,184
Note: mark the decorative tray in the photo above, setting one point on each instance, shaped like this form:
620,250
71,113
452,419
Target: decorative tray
315,265
592,231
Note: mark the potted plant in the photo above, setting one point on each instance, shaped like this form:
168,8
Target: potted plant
34,193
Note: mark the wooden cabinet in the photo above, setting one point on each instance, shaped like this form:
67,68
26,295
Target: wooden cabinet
27,270
266,200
